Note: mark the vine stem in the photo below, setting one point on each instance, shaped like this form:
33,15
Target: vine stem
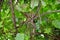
49,12
13,16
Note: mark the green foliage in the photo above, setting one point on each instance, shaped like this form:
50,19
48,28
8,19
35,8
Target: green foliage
56,23
19,36
47,28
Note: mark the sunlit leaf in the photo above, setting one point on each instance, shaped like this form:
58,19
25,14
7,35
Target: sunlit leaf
19,36
34,3
47,30
56,23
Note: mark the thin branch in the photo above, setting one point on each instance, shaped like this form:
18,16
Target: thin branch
33,24
37,14
50,12
38,11
39,6
13,15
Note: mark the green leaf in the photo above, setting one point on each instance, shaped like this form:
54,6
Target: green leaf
27,37
19,36
56,23
47,30
43,3
34,3
1,24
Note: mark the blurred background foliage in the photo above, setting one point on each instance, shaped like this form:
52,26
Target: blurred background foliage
47,24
